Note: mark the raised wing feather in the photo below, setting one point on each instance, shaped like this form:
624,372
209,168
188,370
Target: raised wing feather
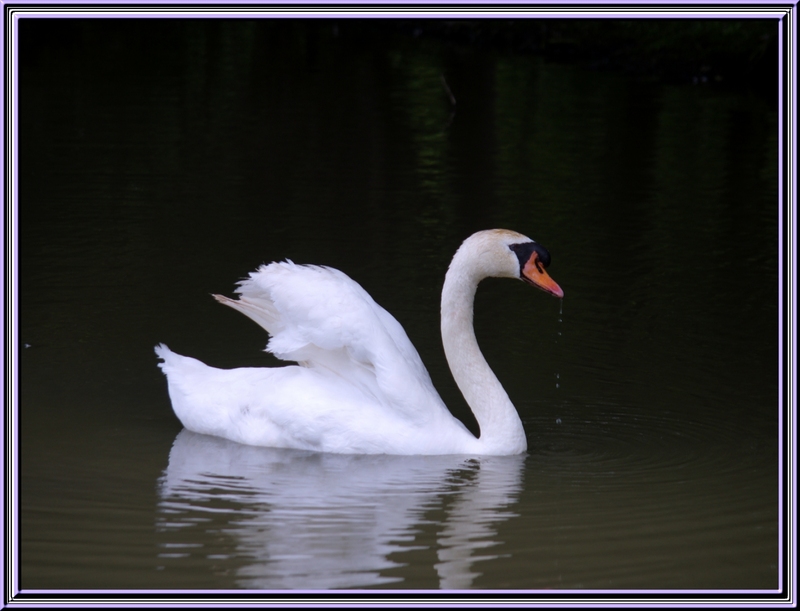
324,320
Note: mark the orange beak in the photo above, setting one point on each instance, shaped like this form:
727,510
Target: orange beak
533,273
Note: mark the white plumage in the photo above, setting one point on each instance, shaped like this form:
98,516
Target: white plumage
360,385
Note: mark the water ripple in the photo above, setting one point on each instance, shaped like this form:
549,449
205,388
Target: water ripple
606,440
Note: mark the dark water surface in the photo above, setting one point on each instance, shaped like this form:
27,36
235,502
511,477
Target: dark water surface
161,162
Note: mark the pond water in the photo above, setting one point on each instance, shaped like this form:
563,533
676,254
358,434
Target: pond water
162,161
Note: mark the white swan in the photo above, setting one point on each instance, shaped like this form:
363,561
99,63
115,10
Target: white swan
360,386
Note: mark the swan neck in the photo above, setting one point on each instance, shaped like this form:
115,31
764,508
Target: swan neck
501,429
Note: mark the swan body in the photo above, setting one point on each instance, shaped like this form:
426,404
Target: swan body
359,386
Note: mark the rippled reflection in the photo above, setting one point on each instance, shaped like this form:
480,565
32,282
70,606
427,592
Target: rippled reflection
281,519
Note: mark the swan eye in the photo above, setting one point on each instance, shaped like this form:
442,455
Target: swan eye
526,250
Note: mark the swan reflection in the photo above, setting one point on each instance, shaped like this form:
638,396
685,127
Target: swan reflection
287,519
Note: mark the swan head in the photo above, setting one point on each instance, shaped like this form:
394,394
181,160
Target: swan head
507,254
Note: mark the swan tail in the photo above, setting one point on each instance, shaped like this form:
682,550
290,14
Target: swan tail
166,355
201,395
171,361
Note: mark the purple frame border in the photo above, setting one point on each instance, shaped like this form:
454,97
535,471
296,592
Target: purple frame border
786,16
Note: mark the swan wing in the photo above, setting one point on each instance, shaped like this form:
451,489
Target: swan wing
322,319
